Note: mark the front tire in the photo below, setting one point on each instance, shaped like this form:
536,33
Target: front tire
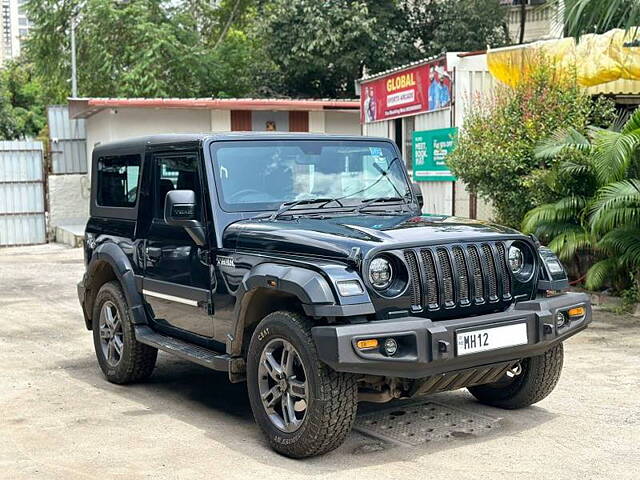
303,407
121,357
537,379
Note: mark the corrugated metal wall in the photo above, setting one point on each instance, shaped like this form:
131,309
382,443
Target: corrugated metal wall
68,141
377,129
438,196
22,219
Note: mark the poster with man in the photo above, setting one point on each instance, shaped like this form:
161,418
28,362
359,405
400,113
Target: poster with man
409,91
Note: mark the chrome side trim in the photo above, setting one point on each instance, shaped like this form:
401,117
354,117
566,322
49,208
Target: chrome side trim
164,296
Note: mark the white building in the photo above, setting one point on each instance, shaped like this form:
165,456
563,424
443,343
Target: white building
15,28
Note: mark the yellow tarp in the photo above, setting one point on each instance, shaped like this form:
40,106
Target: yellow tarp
596,59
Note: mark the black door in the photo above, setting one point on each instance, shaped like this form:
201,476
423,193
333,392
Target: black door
176,280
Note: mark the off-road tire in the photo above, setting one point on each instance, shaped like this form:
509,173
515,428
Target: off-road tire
138,360
332,396
538,378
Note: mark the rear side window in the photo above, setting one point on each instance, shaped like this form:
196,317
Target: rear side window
118,178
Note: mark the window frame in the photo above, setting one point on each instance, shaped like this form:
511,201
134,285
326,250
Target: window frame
124,213
214,146
156,156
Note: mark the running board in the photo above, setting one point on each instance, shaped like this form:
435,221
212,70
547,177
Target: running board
185,350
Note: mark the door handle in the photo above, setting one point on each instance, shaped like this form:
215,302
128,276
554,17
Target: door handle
153,253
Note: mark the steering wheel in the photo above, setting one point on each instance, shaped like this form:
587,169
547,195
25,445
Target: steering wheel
243,192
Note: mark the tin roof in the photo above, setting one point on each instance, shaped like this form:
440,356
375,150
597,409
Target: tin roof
384,73
85,107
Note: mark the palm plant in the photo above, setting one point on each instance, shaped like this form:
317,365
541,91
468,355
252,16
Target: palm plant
603,220
598,16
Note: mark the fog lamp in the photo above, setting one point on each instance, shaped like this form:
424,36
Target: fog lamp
390,347
561,320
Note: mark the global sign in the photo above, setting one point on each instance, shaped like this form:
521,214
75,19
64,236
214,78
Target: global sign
411,91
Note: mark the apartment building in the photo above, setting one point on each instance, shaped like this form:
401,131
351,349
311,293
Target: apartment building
544,19
15,28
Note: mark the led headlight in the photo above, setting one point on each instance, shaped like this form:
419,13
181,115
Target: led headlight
516,259
380,273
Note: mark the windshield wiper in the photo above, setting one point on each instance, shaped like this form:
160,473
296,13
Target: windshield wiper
286,206
370,201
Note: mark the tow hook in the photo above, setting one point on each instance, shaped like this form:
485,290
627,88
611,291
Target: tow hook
514,371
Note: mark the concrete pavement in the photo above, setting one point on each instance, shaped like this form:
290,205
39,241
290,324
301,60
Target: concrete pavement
59,418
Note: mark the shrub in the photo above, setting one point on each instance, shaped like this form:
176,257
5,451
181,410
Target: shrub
495,153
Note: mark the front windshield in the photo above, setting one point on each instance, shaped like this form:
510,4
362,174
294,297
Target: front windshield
262,175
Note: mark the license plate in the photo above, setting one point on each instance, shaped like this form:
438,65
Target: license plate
493,338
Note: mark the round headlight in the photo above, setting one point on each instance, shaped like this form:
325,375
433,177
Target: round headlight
380,273
516,259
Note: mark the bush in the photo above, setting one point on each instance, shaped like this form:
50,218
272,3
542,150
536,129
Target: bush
495,154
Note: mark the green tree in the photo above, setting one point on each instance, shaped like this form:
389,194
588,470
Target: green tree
143,48
457,25
598,16
321,47
495,154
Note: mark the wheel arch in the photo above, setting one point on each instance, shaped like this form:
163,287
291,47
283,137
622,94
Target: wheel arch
270,287
108,263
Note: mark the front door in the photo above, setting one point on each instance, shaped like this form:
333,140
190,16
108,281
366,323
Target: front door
176,282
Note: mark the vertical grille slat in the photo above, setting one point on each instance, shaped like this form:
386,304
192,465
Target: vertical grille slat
504,268
463,277
416,284
431,287
491,275
460,275
478,281
447,277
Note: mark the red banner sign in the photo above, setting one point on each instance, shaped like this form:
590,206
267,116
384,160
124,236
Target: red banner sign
408,92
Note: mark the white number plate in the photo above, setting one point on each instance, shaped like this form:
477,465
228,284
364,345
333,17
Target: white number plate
491,338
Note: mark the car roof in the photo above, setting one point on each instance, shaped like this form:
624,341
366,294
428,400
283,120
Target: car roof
137,143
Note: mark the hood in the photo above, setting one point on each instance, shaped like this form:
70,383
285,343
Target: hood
336,236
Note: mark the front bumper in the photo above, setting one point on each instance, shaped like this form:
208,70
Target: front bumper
429,348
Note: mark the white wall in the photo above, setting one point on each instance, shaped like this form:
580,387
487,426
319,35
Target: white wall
220,120
344,123
316,122
68,199
118,124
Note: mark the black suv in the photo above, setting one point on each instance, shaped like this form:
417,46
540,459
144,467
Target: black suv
303,264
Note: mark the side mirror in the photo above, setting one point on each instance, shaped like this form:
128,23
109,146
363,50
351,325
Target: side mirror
180,210
418,193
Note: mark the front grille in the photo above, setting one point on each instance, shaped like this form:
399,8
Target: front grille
446,277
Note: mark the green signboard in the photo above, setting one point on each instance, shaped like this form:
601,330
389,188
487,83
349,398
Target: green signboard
430,150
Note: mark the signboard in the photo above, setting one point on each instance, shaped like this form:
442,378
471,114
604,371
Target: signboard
407,92
430,150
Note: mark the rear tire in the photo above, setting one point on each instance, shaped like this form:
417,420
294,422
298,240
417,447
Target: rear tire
538,378
121,357
322,417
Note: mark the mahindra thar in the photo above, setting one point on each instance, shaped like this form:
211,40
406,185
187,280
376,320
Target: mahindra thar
303,265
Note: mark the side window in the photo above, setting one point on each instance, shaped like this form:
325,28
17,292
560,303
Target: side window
175,172
118,180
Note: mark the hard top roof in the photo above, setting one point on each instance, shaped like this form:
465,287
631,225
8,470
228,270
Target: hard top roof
138,143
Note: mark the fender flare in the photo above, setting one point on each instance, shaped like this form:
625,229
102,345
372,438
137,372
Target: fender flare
112,254
310,287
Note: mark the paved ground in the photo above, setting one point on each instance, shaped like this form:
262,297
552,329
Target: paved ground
60,419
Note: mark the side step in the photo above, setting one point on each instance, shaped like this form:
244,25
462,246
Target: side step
185,350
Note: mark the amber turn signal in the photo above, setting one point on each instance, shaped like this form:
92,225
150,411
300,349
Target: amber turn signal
576,312
365,344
